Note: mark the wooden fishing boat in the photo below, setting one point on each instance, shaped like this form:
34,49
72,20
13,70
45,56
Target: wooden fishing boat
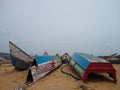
65,58
114,58
85,64
42,65
20,59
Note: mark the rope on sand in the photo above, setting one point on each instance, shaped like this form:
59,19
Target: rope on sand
71,75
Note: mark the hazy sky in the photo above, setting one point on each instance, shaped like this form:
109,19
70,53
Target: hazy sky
58,26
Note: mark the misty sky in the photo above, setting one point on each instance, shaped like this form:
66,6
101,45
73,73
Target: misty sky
58,26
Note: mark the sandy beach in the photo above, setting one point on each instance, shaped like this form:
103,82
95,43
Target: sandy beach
56,80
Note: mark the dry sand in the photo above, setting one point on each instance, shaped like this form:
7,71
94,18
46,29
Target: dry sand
11,78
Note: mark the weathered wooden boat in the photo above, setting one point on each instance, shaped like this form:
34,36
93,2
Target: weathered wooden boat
20,59
42,65
114,58
85,64
65,58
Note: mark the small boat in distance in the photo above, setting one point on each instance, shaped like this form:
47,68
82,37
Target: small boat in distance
20,59
114,58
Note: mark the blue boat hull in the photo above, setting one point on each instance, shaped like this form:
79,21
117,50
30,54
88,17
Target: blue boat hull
19,64
20,59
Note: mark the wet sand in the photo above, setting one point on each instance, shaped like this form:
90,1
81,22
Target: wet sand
56,80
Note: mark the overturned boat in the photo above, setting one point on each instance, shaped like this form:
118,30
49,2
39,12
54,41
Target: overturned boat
85,64
65,58
42,65
20,59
